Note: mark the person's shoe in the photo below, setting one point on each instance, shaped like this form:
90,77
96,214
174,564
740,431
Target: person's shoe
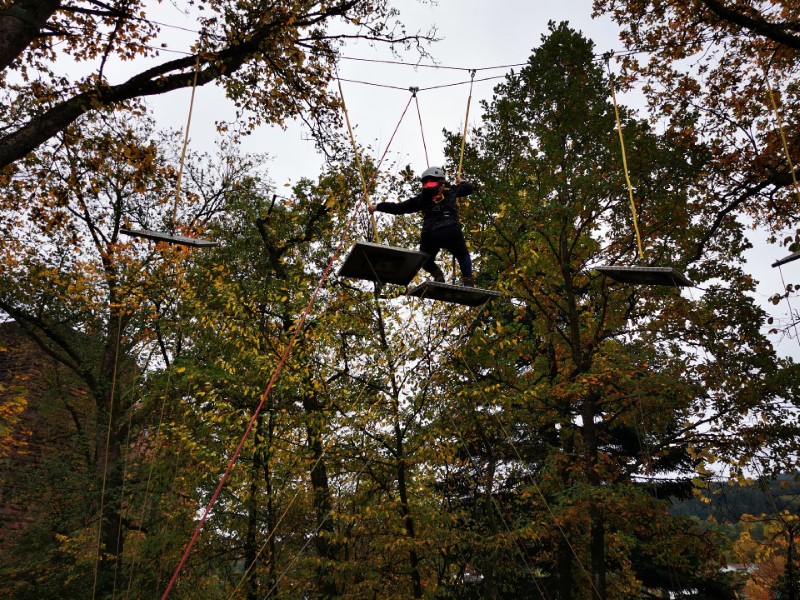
468,281
438,275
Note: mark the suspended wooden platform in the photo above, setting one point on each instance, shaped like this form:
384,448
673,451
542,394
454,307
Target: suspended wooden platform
180,240
785,260
457,294
382,264
646,275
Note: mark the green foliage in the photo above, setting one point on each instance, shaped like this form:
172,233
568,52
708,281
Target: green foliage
406,449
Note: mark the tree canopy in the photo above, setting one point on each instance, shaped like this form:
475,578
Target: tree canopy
274,60
532,447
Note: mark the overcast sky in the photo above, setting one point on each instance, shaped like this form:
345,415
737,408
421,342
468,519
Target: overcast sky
474,34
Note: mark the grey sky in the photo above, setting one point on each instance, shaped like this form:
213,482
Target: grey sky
475,34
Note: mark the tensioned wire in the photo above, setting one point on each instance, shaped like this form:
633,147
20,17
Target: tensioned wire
283,360
530,478
294,498
522,551
511,441
421,128
146,499
285,512
416,65
98,553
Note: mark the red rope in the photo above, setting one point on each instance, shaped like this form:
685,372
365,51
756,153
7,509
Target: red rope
280,366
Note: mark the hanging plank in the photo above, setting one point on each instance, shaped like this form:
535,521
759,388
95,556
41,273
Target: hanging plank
180,240
457,294
382,264
785,260
646,275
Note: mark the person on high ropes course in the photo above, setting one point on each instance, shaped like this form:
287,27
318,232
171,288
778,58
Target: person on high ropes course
438,203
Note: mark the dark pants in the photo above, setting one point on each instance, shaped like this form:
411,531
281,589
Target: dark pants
450,238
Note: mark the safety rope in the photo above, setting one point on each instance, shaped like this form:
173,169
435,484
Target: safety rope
98,555
526,558
536,487
625,164
357,158
285,512
146,501
466,122
782,131
401,358
185,144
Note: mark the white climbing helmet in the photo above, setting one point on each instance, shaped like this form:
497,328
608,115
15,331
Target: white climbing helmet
433,173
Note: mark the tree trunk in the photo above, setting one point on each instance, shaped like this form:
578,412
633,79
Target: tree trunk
597,542
564,567
327,549
110,434
20,24
791,575
405,512
271,517
251,535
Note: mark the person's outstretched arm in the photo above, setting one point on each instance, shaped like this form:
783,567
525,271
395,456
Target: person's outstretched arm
396,208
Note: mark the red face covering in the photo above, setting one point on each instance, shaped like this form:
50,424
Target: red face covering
430,184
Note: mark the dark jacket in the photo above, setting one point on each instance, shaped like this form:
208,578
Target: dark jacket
437,211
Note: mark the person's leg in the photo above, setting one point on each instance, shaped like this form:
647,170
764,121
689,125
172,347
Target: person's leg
453,240
429,246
